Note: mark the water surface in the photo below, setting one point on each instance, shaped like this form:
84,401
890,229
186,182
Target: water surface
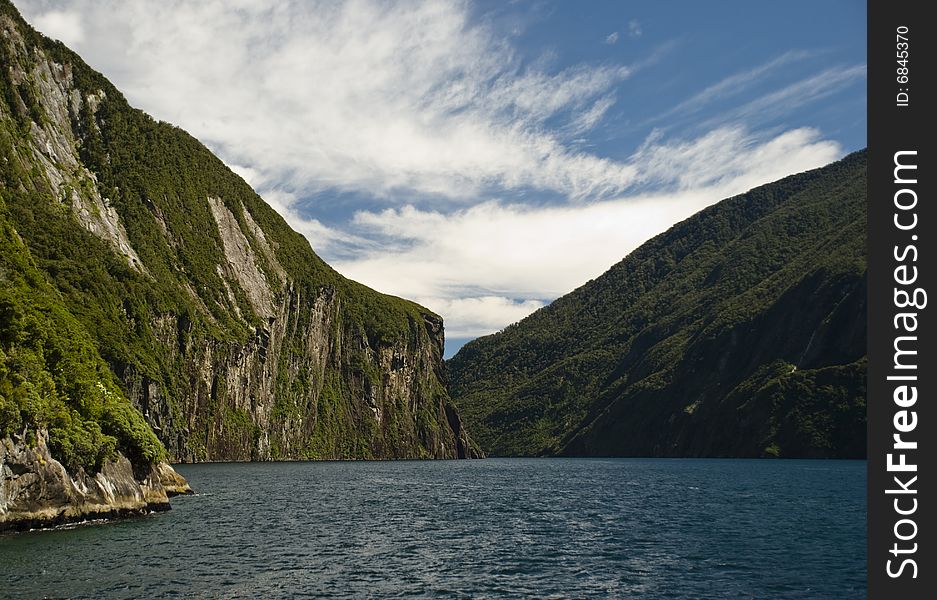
627,528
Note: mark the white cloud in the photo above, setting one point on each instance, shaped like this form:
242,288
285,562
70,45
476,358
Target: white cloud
730,155
589,118
484,267
61,25
611,38
477,316
414,104
367,96
634,29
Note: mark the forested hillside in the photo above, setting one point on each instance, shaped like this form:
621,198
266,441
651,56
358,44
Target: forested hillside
739,332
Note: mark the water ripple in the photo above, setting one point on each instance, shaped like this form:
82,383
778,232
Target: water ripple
467,529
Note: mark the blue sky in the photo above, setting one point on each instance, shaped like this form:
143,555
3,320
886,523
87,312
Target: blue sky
483,158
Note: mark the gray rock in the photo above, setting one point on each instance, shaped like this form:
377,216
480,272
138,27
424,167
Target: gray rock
36,490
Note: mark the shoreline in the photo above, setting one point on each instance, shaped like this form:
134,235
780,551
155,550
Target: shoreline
37,492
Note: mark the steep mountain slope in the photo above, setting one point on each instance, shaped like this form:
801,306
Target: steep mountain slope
180,290
739,332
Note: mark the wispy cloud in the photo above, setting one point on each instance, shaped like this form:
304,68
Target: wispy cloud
590,117
366,96
729,154
733,85
634,29
611,38
486,266
432,115
785,100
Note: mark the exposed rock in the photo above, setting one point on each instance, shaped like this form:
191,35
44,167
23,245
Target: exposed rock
265,249
174,483
37,491
242,260
53,143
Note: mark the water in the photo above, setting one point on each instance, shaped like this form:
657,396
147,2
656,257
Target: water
544,528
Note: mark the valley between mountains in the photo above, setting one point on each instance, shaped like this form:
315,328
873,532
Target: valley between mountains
154,309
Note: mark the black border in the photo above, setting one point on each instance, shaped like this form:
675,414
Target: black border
894,128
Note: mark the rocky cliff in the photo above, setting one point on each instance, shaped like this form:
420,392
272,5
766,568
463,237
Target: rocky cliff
739,332
128,245
37,491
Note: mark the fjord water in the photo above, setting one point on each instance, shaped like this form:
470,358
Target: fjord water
632,528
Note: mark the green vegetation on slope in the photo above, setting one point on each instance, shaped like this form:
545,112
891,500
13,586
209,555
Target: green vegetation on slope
148,169
157,297
738,332
51,376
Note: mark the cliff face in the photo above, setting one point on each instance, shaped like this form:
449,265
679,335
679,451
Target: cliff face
303,387
739,332
217,321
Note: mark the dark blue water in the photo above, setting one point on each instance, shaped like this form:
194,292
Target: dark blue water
467,529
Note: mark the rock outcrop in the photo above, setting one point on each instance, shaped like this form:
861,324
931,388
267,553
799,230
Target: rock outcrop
37,491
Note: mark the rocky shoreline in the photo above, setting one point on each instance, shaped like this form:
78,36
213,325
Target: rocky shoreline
36,491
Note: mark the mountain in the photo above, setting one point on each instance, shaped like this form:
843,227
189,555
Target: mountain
152,306
739,332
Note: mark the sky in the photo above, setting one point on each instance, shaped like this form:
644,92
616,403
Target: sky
484,158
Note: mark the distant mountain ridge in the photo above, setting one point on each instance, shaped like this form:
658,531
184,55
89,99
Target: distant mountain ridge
741,331
152,306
